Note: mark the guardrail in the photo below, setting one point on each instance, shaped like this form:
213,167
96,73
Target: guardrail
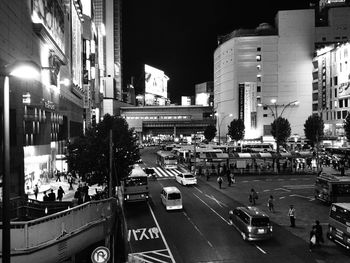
37,232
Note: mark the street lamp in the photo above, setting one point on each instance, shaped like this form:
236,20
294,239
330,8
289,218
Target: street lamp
220,122
24,70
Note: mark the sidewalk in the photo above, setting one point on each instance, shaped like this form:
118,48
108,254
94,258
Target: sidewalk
69,194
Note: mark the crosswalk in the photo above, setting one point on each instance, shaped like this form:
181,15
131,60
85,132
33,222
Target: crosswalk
163,173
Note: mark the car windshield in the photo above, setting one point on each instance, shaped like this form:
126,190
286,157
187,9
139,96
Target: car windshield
263,221
174,196
189,176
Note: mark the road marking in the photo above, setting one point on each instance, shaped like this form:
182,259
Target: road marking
299,186
306,197
244,181
267,190
198,189
217,201
227,222
143,233
256,180
197,229
280,179
263,251
276,189
161,234
282,197
152,255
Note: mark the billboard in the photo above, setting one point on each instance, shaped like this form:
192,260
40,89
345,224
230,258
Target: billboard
156,82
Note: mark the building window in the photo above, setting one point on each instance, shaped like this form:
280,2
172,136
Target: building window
258,100
264,115
337,38
314,107
335,104
258,78
327,116
258,49
344,112
315,96
258,57
340,67
344,37
258,67
331,82
338,115
340,103
335,80
265,107
258,88
345,103
324,39
335,93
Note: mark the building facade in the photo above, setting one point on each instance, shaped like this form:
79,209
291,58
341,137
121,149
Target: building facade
46,112
253,67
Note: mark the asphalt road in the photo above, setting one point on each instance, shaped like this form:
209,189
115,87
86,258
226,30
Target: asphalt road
200,232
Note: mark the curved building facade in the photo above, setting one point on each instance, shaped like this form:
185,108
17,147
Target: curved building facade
253,67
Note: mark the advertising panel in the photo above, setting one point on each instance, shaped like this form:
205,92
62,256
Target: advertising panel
76,49
202,99
324,88
185,100
156,82
241,101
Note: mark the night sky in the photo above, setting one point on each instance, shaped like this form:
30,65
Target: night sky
179,37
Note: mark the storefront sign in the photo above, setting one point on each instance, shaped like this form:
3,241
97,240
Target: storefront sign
324,95
241,101
49,105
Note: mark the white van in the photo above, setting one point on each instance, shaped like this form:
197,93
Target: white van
171,198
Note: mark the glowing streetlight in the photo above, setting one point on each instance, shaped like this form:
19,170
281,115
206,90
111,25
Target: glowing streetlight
24,70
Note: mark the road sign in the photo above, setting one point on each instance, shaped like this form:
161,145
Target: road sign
100,255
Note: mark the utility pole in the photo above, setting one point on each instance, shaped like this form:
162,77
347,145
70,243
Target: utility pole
110,185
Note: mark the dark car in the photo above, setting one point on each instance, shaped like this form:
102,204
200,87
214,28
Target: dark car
149,171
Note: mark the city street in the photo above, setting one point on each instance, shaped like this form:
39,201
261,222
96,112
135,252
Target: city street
203,221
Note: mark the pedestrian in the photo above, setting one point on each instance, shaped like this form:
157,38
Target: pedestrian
229,182
45,197
253,196
52,196
312,242
36,191
270,204
291,214
232,178
60,193
58,176
219,181
70,181
319,233
206,173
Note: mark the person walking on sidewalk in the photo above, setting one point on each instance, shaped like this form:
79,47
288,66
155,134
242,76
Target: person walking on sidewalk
36,191
318,233
60,193
291,214
270,204
58,175
219,180
52,196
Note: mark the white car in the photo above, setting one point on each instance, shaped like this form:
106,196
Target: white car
186,179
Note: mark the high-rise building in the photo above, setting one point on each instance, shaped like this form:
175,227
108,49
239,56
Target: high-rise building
255,67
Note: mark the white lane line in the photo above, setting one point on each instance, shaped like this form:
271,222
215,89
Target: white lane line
276,189
197,229
263,251
198,189
244,181
306,197
176,171
256,180
216,200
171,172
227,222
282,197
267,190
161,233
141,259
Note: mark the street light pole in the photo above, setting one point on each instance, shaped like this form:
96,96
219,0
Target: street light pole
26,70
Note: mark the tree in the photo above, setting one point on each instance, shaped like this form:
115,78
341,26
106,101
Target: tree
347,126
90,152
210,132
236,129
313,129
280,130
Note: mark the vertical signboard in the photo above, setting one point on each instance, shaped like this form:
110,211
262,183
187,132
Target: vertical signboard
241,101
324,95
76,49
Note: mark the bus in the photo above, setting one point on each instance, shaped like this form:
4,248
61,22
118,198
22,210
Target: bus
332,188
255,147
339,224
167,160
135,186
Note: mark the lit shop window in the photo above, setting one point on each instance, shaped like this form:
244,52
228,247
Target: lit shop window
258,57
335,104
258,67
258,78
258,88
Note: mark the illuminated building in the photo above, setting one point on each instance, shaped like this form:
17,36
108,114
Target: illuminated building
47,112
254,66
331,90
204,93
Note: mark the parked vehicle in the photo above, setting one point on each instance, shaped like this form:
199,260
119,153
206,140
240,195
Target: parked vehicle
251,223
339,220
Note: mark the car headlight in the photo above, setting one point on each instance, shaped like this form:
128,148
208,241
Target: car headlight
250,229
